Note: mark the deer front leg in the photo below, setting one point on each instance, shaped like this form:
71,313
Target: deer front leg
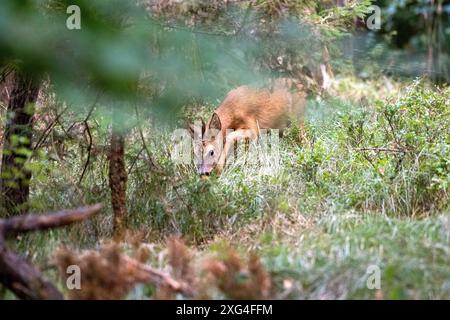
230,141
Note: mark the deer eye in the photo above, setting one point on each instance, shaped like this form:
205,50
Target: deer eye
211,153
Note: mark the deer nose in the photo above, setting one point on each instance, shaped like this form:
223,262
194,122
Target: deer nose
204,175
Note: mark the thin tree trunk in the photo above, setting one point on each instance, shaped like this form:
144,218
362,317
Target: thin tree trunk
15,177
118,181
429,18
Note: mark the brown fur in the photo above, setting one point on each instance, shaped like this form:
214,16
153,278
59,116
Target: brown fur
246,111
249,108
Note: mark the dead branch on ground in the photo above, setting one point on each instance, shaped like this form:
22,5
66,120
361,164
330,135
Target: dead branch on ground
17,273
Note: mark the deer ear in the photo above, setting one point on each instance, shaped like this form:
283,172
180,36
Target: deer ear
215,123
191,128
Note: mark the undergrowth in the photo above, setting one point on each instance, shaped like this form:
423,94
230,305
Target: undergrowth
368,186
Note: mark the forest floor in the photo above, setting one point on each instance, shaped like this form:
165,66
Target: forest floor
334,212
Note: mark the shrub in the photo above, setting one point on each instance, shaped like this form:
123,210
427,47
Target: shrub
394,158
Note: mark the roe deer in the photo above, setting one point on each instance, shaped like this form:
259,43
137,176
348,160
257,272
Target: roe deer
245,110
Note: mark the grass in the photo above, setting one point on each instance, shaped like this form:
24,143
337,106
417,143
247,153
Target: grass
329,259
331,208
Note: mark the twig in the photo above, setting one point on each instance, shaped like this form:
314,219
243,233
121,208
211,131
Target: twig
97,97
32,222
151,275
381,150
135,160
89,149
144,144
47,130
88,130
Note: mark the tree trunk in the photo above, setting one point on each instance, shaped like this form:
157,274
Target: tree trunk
15,177
118,181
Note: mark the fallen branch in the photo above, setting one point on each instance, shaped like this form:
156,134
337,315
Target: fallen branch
19,275
32,222
108,273
23,279
147,274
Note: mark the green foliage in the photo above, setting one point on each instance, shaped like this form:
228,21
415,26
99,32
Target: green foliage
162,55
120,57
393,159
352,195
404,152
331,210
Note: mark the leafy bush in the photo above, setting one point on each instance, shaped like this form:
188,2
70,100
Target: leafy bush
408,147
